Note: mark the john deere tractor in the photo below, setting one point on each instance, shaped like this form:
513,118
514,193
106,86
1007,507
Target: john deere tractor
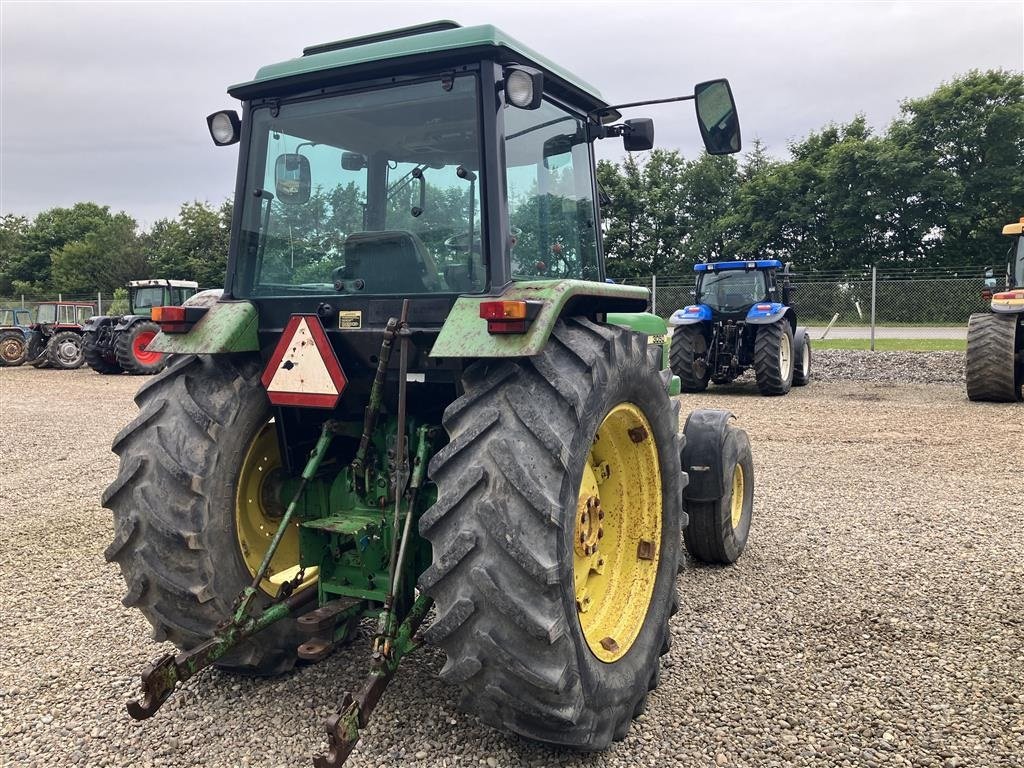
742,318
995,339
118,343
418,393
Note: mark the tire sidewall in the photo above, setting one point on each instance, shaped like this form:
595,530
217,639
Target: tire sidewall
736,450
617,681
801,347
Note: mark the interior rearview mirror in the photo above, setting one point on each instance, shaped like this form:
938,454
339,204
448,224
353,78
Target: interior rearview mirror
716,115
353,161
639,135
292,179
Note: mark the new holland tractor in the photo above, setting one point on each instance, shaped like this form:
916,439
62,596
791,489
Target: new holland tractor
418,402
119,343
995,339
742,318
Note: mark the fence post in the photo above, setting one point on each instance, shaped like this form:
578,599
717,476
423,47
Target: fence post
60,297
23,301
99,302
654,294
874,287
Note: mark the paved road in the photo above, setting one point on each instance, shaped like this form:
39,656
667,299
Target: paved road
891,332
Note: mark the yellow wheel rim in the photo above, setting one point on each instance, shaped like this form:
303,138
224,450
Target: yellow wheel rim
617,540
259,506
737,496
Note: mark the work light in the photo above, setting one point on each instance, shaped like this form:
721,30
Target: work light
225,127
524,87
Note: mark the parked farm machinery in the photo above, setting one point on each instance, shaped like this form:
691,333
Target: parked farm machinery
742,318
15,329
995,339
427,408
55,339
119,343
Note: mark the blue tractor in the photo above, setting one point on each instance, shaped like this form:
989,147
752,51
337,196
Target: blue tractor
741,318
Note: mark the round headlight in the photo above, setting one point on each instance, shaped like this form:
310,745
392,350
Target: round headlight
221,128
519,88
225,127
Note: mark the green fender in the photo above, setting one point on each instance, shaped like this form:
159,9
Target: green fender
464,333
228,326
657,334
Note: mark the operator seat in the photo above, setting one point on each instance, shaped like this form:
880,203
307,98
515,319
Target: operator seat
390,261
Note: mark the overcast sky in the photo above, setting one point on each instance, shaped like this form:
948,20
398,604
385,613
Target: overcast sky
106,102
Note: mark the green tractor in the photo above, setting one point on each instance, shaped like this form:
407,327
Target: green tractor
995,339
418,393
119,343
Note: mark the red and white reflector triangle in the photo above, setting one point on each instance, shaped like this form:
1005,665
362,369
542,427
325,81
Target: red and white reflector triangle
304,370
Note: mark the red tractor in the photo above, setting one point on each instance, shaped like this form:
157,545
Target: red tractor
56,337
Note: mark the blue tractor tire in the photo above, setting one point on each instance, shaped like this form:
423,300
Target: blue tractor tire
773,358
688,355
801,357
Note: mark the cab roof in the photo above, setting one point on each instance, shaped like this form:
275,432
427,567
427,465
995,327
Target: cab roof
163,283
356,58
720,266
1014,229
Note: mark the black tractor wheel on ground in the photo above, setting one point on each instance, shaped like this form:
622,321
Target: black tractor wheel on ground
718,529
801,358
35,354
131,353
773,358
95,358
995,358
64,350
195,503
688,355
13,348
556,536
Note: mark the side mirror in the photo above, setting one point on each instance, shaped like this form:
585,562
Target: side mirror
638,135
556,146
352,161
716,115
292,179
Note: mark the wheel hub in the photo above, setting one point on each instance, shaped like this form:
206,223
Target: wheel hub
738,490
785,356
617,533
259,506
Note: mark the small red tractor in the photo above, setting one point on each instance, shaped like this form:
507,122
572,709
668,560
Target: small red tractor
56,336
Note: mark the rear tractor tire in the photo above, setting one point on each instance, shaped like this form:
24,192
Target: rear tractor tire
13,348
556,536
130,349
801,358
995,358
95,358
773,358
194,506
688,356
35,353
64,350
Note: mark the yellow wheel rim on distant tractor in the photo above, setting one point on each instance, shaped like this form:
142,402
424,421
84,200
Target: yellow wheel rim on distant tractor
617,540
737,495
259,505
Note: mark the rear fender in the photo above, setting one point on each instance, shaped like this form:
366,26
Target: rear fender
227,326
127,321
772,313
702,457
691,315
464,333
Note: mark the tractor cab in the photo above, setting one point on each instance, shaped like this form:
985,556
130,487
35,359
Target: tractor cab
1015,267
143,295
731,288
438,164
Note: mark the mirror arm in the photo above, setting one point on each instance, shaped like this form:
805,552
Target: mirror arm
615,107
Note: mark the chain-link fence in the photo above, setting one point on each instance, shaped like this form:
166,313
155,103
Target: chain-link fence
893,304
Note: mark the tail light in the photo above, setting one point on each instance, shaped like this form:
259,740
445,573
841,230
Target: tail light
508,316
177,319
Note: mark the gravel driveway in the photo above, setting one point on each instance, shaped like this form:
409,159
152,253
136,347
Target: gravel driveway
877,617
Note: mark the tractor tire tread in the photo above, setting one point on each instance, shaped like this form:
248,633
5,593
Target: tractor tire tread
680,355
494,530
96,359
767,368
993,370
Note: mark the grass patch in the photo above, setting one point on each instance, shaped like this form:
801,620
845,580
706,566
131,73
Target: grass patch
893,345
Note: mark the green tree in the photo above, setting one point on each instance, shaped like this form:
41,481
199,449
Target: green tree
192,246
103,259
12,249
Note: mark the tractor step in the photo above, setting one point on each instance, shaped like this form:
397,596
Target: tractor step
326,617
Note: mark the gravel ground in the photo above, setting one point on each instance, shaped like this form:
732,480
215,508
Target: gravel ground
877,617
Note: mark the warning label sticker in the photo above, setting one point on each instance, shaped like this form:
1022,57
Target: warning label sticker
349,319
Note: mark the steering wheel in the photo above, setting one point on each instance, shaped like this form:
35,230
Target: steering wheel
460,243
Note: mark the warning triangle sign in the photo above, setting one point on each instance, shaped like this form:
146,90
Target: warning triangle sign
304,370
